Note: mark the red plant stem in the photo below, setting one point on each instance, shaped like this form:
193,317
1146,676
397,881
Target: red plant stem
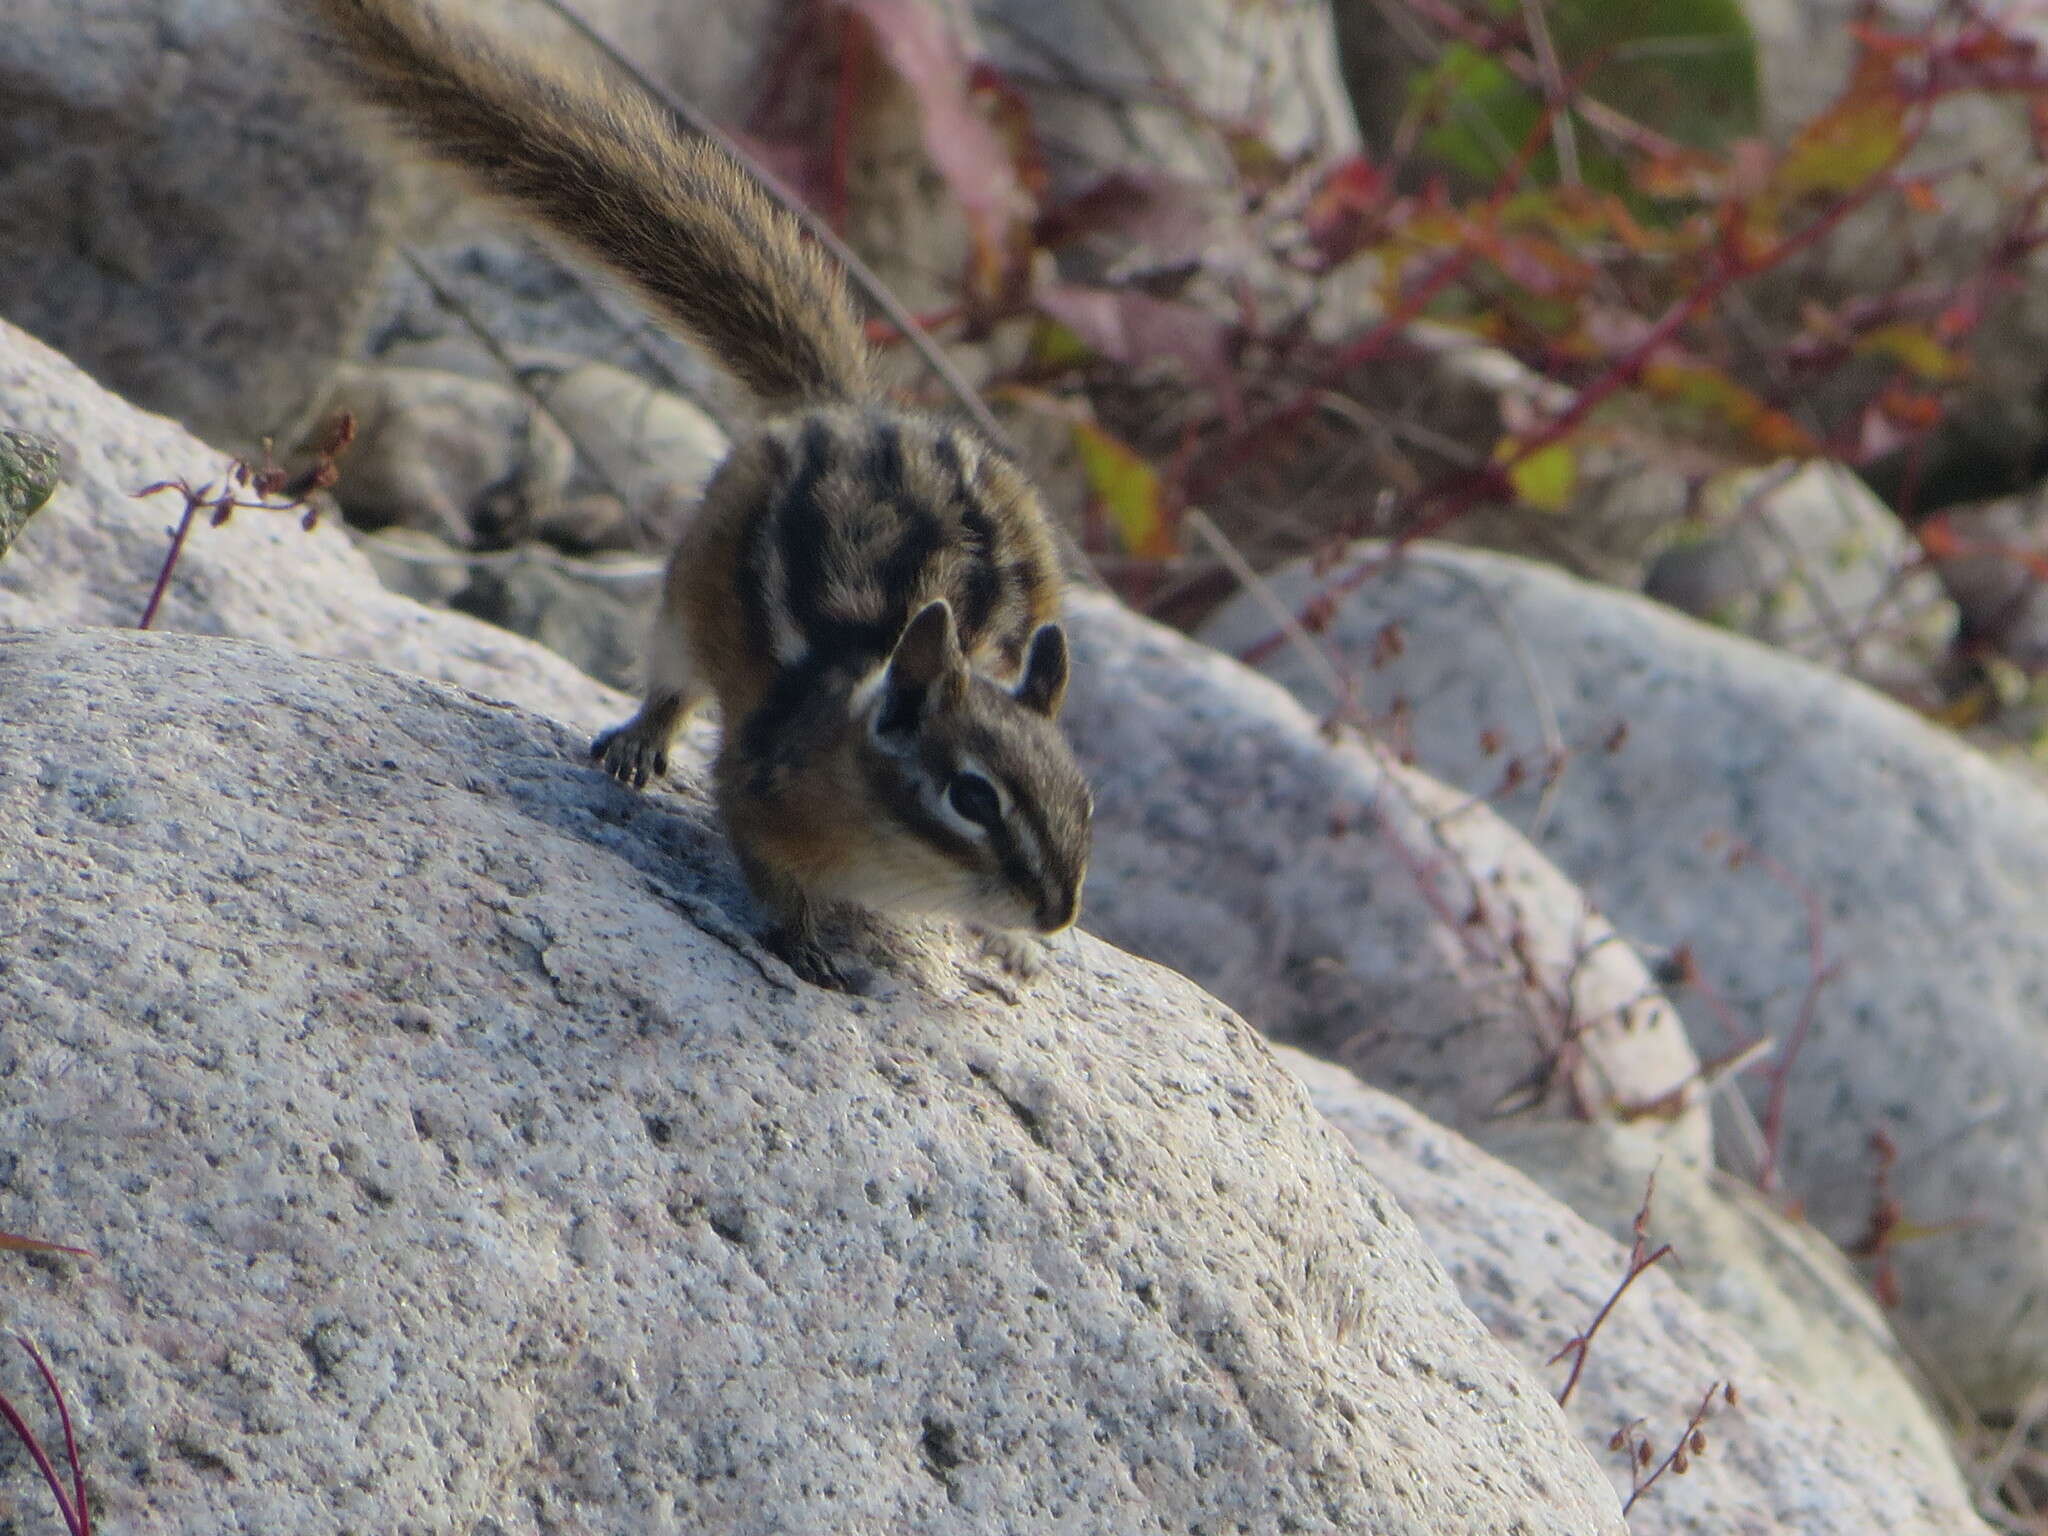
1257,437
84,1526
1818,975
845,99
1462,493
163,577
1699,1417
76,1520
1638,1263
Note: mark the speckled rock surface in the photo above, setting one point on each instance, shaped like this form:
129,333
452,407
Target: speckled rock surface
1805,557
1927,866
1783,1459
472,461
1325,944
1087,65
1774,1280
92,554
1354,908
454,1162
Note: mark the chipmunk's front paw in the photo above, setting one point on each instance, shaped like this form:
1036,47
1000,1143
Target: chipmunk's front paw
631,753
1022,955
819,963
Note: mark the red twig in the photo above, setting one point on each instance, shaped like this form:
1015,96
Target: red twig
273,491
77,1517
20,1244
1640,1258
1692,1441
1452,499
1819,972
163,576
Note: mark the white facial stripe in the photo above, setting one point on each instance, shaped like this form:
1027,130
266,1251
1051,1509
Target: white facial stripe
1027,843
867,692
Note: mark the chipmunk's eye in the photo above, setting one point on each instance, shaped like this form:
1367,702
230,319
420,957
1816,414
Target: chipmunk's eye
975,799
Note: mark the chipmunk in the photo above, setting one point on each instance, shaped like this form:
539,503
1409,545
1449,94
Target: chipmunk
868,593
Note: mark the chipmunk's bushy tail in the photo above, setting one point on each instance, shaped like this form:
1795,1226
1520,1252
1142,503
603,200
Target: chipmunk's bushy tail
607,171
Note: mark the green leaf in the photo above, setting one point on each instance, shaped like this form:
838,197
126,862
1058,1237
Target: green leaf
1917,350
1545,479
1127,489
1686,68
28,478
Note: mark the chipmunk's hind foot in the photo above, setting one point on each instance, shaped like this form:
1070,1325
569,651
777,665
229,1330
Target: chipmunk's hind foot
820,963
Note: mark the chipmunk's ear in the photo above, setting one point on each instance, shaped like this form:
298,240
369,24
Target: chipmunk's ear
1044,685
927,658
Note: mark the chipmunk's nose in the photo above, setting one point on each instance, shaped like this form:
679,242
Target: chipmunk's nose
1060,907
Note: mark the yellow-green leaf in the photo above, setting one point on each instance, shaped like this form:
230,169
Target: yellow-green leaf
1845,146
1054,345
1127,489
1544,479
1912,346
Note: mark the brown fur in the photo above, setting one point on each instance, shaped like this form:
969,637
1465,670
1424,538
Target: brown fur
605,169
848,751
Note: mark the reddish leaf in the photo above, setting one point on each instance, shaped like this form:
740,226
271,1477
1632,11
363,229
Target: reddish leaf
1125,326
1920,196
1706,388
1141,207
1344,205
1910,408
1938,537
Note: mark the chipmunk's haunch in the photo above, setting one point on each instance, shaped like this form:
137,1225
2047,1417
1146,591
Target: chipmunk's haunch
868,594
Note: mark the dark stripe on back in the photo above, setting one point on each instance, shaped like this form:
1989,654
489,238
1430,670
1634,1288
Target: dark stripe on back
801,531
750,578
981,585
770,745
923,535
885,460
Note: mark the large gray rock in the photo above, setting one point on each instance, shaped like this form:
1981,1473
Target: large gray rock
453,1160
92,554
1805,557
473,461
1351,906
1343,943
593,612
1125,80
1785,1289
1788,1456
1926,866
174,214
